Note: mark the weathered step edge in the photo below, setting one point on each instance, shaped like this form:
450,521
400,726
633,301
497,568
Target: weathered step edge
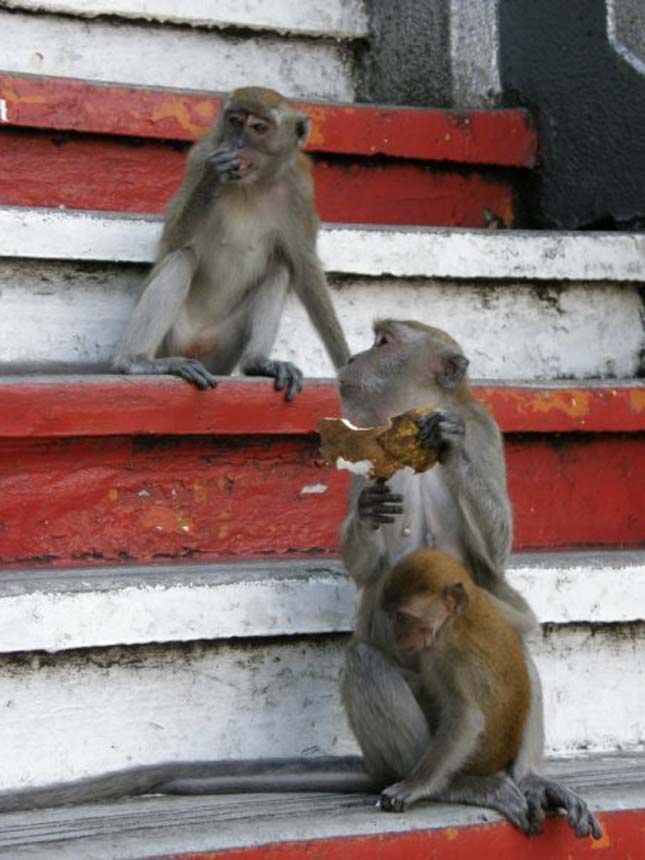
90,608
406,252
329,827
504,137
76,406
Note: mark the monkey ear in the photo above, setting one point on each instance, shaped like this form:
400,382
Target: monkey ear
452,369
302,128
455,598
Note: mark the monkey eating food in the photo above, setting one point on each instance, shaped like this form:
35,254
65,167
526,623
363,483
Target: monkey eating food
461,507
240,232
470,662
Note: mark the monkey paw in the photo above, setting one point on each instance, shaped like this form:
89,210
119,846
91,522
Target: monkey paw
398,797
191,370
378,504
442,431
225,164
545,794
286,374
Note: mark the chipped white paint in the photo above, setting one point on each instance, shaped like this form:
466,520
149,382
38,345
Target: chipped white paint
359,467
90,608
314,490
401,252
474,53
334,18
74,715
510,331
157,55
4,116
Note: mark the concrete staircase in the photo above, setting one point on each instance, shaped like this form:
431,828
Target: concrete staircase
170,584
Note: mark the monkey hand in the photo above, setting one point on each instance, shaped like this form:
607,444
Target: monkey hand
443,431
377,504
400,796
225,165
286,374
545,794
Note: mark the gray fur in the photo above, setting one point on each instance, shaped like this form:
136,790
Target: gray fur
235,239
460,506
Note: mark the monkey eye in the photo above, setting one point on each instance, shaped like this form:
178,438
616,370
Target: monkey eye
400,618
260,127
236,120
381,340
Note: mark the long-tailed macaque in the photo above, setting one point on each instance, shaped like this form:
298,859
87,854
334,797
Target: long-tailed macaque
238,234
470,662
461,507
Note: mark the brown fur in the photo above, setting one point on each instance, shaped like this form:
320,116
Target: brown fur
478,645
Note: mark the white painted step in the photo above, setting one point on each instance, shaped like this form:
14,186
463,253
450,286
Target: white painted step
526,305
96,607
163,826
268,642
340,19
212,53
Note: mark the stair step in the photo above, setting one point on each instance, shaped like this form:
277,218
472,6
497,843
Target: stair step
328,826
525,305
161,487
84,145
136,52
83,711
339,19
133,605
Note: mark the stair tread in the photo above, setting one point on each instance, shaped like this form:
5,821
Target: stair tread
160,826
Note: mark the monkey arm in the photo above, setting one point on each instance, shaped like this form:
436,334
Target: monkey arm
363,547
263,321
311,288
462,724
157,309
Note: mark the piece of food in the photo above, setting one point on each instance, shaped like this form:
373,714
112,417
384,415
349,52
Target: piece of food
376,452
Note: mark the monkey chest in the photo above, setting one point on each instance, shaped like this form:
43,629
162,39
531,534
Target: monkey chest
236,250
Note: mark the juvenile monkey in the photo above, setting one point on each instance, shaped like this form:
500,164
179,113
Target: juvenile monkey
460,507
470,663
239,233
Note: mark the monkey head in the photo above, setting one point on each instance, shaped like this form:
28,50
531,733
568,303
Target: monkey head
422,592
409,365
264,129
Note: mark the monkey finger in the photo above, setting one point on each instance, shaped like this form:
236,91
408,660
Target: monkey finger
294,385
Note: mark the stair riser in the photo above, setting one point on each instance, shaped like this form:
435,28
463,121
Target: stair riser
78,713
193,498
510,330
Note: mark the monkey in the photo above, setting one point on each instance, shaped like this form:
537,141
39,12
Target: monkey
238,234
470,662
460,507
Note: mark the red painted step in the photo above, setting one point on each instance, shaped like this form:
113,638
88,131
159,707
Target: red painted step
109,470
94,146
622,840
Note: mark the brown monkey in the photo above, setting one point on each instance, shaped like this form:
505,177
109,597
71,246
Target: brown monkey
238,234
471,663
461,507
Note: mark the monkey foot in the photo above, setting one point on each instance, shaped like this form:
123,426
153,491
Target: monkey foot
543,795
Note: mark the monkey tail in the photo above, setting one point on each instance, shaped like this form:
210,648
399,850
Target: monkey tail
328,774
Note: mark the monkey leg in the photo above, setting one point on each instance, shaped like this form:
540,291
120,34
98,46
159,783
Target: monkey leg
386,719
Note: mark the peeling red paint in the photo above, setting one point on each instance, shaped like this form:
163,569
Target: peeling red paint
112,174
64,407
499,137
82,478
622,840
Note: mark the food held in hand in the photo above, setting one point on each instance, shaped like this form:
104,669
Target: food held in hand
376,452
